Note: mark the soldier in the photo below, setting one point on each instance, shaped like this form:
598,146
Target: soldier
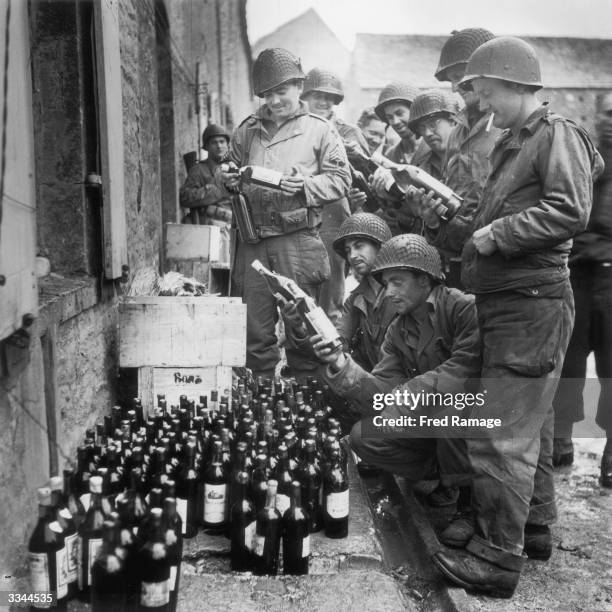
591,277
373,129
322,92
283,135
208,203
536,198
433,344
468,148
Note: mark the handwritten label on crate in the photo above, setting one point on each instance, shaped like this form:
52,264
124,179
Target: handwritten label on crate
192,382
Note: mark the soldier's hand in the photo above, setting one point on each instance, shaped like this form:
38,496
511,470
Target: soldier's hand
379,181
335,358
483,240
228,175
293,183
357,199
293,318
427,206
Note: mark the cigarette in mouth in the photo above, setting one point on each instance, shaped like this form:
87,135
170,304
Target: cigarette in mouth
490,122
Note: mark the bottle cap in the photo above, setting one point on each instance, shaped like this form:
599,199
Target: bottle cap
44,496
272,486
56,483
95,484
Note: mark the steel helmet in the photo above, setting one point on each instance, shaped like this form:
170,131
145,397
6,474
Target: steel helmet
507,58
408,252
273,67
458,48
213,130
361,225
432,102
324,81
395,92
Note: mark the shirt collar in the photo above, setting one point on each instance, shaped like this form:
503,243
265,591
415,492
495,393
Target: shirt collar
263,112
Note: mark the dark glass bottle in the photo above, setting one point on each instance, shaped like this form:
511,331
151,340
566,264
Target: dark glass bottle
91,535
284,477
335,499
174,541
259,482
71,537
108,572
215,493
135,504
47,554
296,535
309,475
187,492
154,566
241,465
242,526
266,545
73,503
82,473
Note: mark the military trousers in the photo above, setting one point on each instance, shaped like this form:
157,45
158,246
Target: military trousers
592,286
524,336
332,290
300,256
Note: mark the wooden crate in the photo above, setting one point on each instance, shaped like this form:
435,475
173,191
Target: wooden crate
174,382
203,252
182,331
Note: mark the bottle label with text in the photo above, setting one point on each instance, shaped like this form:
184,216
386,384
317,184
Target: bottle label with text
39,572
215,503
61,571
181,508
259,544
249,535
337,504
306,546
94,545
73,550
154,594
282,502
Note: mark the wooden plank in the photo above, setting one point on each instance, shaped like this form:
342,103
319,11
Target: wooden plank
174,382
48,343
184,241
185,331
108,60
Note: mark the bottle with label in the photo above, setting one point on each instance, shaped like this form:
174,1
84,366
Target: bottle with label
71,537
71,499
264,177
335,499
309,475
108,572
283,477
47,554
91,536
286,290
215,493
296,535
154,566
174,541
242,530
135,505
268,529
187,491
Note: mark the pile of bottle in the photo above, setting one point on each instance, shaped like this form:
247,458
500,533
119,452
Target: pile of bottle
260,467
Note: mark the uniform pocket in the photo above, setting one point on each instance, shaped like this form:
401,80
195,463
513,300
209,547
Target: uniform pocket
313,265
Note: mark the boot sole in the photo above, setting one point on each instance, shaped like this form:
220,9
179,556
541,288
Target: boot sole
486,589
454,543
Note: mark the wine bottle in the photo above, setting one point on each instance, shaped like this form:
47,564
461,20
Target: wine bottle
91,536
71,537
286,290
154,565
309,475
73,503
47,554
296,535
268,535
283,477
242,526
174,541
259,482
108,572
335,499
187,492
215,493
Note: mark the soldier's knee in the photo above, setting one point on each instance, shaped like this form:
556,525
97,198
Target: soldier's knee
355,437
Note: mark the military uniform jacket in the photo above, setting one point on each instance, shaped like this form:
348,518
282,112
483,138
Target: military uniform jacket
436,349
304,141
538,196
465,172
200,191
366,315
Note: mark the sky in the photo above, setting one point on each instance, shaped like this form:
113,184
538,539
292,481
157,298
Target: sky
580,18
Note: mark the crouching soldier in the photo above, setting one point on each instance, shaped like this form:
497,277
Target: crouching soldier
432,346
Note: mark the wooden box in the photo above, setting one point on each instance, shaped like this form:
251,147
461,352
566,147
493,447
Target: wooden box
203,252
182,331
174,382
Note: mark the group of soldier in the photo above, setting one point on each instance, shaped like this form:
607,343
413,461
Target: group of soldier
480,302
